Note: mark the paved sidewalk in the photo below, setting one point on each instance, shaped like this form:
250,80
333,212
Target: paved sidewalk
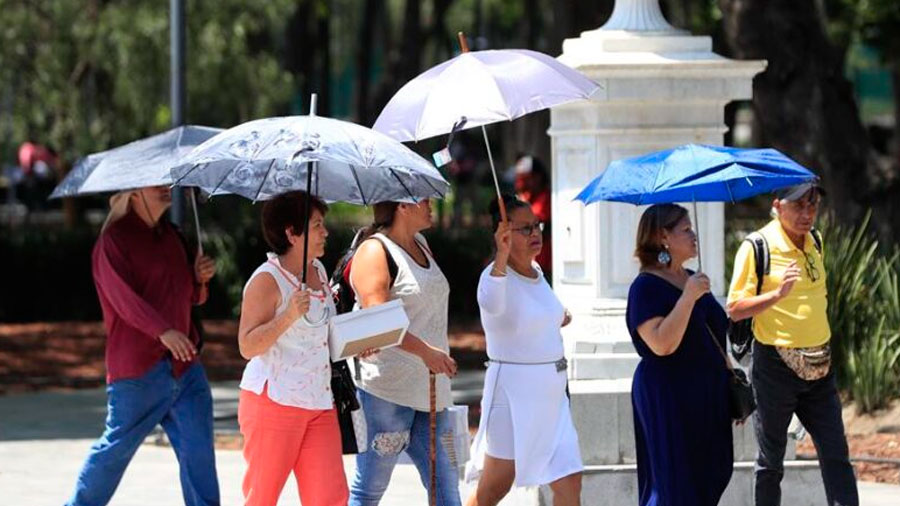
45,436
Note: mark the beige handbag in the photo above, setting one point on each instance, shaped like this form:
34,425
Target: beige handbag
807,363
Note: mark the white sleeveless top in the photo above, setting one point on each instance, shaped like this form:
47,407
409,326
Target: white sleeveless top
297,367
396,375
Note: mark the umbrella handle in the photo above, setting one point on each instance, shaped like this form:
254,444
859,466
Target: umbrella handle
326,312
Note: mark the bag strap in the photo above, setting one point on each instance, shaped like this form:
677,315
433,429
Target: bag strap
817,239
391,263
761,257
712,335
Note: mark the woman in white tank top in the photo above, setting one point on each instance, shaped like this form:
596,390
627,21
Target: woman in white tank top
394,383
286,409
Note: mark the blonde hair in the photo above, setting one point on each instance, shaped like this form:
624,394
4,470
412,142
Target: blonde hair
119,205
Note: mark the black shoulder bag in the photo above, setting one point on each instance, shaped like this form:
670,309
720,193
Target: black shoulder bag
342,386
741,403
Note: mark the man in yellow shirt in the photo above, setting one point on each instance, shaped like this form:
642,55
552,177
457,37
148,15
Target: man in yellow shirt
790,326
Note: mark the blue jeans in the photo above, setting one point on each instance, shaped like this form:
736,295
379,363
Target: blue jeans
182,406
393,429
781,393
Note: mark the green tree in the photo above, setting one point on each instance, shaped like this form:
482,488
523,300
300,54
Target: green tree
85,76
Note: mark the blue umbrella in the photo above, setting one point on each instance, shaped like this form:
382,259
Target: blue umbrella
695,173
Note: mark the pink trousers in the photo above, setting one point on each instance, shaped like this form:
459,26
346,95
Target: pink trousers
280,439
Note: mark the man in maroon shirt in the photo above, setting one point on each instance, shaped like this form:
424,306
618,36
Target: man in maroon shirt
147,285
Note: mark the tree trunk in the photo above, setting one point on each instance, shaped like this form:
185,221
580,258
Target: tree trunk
364,62
410,60
323,34
803,104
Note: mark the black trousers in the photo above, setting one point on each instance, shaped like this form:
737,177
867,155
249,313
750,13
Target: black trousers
779,394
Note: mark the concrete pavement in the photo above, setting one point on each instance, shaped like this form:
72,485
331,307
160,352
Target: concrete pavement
45,436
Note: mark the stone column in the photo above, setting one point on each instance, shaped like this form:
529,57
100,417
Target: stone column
661,87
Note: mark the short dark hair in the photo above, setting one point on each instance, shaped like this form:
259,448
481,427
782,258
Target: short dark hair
511,203
655,219
287,210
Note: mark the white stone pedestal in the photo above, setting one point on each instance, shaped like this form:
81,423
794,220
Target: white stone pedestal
661,87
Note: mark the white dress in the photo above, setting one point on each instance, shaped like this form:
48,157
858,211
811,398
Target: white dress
297,367
524,411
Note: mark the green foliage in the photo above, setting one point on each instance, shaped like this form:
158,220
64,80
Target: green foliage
84,76
863,311
873,369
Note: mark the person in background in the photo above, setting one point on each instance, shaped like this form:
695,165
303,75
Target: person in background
791,370
286,409
533,186
682,426
147,282
526,434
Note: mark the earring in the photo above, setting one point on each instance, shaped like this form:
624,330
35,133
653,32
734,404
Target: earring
664,257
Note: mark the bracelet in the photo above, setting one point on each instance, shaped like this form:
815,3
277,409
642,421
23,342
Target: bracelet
498,271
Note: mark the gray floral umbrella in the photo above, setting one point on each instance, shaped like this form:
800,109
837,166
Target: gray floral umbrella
337,161
344,162
145,162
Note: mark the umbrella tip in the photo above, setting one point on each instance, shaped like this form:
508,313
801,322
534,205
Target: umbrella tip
312,104
463,44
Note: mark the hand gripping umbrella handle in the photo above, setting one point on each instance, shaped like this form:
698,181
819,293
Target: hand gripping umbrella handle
326,312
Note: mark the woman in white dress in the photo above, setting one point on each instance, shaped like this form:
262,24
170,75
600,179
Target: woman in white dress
526,435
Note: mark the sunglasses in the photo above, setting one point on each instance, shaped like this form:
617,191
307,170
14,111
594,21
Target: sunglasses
811,270
527,230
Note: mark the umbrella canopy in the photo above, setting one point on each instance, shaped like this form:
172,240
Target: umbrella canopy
146,162
695,173
263,158
482,87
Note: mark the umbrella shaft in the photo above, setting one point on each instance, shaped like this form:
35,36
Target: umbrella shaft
697,231
309,169
500,203
196,221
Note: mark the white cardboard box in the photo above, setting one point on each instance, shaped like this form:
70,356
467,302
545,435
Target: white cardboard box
380,327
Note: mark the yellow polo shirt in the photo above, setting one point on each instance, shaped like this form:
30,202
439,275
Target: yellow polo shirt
800,319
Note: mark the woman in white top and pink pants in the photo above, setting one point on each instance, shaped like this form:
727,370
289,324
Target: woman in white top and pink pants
286,409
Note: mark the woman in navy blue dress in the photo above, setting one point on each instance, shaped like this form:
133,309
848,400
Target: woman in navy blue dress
680,389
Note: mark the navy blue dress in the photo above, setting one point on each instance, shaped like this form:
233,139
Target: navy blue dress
681,424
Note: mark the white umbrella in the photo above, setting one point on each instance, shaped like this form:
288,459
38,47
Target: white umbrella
478,88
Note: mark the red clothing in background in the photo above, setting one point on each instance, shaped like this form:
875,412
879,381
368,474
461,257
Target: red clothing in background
146,286
540,206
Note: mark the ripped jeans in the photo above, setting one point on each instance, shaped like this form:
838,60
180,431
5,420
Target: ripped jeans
393,429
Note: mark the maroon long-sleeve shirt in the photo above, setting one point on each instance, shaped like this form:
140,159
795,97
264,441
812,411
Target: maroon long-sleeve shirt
146,286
